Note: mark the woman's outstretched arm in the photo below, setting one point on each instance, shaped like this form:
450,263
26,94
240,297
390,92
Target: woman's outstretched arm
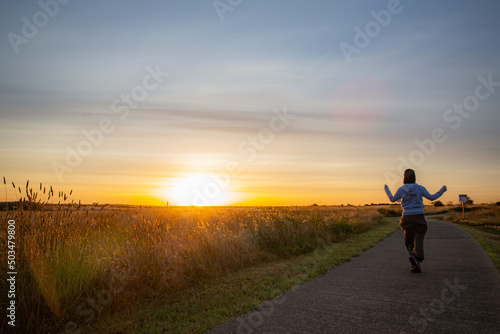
435,196
397,195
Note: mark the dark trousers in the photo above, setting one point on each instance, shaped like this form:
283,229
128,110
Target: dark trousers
415,228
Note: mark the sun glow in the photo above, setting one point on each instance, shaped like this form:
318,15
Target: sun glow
197,189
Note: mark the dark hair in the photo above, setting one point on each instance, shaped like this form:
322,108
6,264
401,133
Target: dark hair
409,176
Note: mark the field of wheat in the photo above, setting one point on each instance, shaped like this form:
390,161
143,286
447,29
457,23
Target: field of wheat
73,258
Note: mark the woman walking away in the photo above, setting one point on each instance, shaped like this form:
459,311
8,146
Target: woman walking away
413,221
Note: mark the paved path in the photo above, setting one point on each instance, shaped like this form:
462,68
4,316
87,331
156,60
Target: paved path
457,292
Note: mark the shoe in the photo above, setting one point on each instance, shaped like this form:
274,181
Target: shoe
415,264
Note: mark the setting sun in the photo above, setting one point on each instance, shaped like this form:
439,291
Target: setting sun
197,189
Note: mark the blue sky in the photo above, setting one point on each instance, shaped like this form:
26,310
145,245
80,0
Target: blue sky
353,120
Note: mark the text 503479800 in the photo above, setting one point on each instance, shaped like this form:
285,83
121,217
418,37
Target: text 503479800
11,272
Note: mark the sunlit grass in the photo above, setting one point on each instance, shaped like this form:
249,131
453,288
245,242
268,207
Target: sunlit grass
487,215
70,256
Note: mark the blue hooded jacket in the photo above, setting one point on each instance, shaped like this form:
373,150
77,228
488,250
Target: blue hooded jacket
411,195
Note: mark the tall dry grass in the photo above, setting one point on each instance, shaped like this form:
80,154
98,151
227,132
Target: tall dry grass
482,214
75,262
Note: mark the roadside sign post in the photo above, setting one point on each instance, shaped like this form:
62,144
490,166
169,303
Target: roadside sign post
462,198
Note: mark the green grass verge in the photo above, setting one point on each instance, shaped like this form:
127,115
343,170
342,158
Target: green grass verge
488,237
198,309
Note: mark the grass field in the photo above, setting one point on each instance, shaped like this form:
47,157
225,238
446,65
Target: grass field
87,269
202,307
78,263
483,222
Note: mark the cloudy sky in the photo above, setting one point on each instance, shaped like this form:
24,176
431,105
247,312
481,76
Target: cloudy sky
250,101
